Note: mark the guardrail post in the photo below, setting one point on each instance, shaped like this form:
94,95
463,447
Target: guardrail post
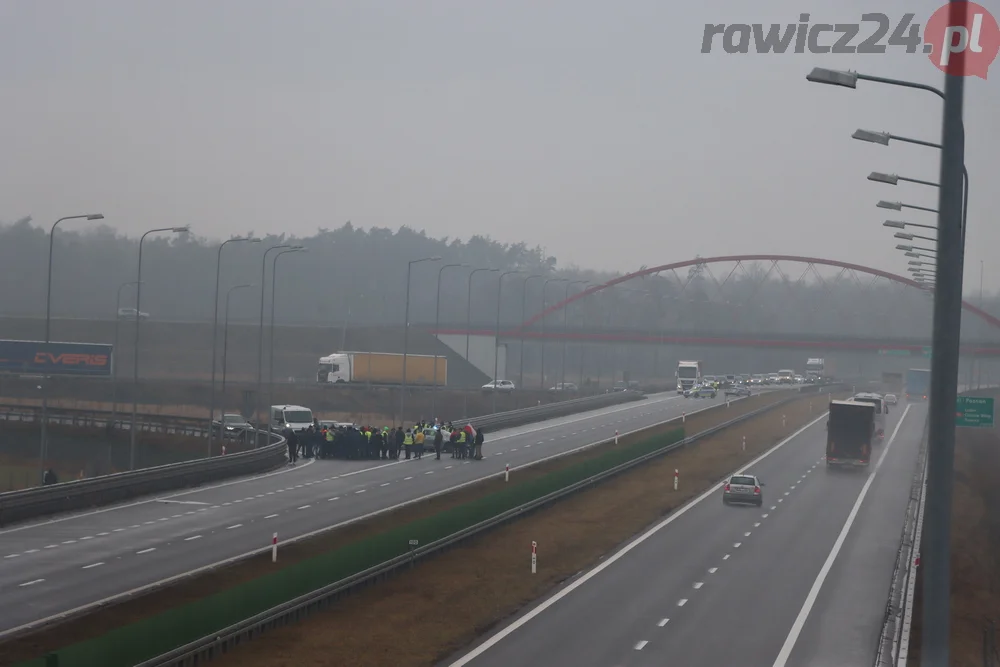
534,557
274,548
684,417
744,443
506,473
677,474
616,436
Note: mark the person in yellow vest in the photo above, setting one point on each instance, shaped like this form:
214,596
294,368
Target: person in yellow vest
408,442
328,444
418,444
463,444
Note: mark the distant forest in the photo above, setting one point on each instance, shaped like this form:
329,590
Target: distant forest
358,276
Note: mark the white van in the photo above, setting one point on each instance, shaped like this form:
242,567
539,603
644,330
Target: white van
294,417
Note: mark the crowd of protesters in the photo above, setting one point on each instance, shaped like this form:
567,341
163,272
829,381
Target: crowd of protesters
353,442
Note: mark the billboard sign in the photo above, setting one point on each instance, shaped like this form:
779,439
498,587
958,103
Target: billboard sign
26,357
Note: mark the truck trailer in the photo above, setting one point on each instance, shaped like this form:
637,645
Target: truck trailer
849,434
918,384
383,368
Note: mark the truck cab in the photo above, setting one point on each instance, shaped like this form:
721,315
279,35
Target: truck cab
688,375
333,369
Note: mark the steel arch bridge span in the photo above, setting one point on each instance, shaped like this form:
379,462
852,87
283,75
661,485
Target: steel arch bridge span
982,314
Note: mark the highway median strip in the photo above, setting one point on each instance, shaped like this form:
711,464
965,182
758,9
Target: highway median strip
352,547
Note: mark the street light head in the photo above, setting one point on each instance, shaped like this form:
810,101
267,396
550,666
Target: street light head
912,254
904,236
916,262
894,223
833,77
95,216
872,137
892,205
181,230
879,177
905,248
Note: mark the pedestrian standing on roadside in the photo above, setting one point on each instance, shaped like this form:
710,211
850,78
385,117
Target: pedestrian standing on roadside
438,441
293,445
479,444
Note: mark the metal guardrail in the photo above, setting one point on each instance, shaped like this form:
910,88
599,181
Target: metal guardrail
146,423
109,489
207,648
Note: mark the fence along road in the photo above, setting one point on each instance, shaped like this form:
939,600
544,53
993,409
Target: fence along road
800,581
66,565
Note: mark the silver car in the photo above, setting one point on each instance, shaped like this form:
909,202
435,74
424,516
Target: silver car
743,489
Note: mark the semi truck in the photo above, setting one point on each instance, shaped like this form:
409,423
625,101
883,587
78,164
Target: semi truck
688,375
892,381
816,369
918,384
383,368
849,433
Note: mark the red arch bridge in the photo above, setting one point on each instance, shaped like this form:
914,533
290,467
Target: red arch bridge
777,302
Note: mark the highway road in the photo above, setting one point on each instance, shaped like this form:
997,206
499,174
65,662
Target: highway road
802,581
69,563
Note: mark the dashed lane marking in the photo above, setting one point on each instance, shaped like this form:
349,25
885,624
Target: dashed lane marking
145,551
92,565
270,516
663,621
682,602
698,584
305,507
238,525
726,557
713,570
192,538
641,645
31,583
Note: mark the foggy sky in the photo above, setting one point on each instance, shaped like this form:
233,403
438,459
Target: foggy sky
595,129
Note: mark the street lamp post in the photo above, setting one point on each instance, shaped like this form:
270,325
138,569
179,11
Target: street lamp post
952,218
899,206
225,338
114,368
406,332
135,350
437,324
562,379
899,224
544,340
524,301
468,328
270,353
48,328
215,333
260,344
496,339
909,237
894,179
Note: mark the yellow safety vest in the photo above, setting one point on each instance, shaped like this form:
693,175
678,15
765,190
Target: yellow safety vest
461,438
329,436
368,434
408,440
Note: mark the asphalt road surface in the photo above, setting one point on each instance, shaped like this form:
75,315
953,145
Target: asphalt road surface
64,565
802,581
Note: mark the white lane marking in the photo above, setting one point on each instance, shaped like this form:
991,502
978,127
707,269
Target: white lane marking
786,493
52,546
736,545
11,556
386,484
774,507
709,493
698,584
764,516
70,542
305,507
330,500
540,443
429,472
270,516
87,567
726,557
102,534
756,525
189,513
793,486
225,505
682,602
176,516
781,500
513,449
118,530
807,605
236,501
450,467
31,551
746,534
166,518
181,502
641,645
31,583
145,551
406,479
663,622
713,570
527,446
360,490
238,525
193,537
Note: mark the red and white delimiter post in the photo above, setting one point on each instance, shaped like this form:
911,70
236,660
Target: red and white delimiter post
274,548
534,557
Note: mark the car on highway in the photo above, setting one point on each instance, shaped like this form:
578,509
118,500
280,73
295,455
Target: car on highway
129,314
701,391
743,488
757,379
772,378
738,390
710,380
233,425
891,399
502,386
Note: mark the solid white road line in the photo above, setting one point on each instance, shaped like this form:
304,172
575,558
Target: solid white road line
31,583
528,617
800,620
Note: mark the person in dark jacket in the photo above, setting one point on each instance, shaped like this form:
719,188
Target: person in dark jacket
400,437
293,445
438,442
49,477
479,445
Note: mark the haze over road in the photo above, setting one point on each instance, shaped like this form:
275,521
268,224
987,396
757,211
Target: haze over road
53,567
713,585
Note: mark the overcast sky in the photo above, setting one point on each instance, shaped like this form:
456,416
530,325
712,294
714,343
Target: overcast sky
595,129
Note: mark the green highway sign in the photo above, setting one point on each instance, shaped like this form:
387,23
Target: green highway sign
974,411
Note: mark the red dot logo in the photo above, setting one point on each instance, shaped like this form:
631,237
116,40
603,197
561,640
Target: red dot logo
965,48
